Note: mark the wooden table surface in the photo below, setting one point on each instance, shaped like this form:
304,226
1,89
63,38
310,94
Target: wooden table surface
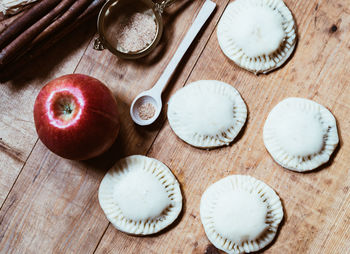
50,205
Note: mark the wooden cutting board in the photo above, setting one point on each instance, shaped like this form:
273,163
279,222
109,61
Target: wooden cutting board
49,204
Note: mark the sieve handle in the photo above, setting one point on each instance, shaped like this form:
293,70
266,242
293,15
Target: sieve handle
98,45
200,20
164,4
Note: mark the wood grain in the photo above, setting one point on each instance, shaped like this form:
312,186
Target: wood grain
17,131
44,171
315,203
53,205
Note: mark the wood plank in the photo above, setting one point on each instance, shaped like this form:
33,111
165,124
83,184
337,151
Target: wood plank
17,130
316,204
54,201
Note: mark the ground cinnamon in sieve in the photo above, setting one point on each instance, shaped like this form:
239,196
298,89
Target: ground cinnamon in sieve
146,111
133,28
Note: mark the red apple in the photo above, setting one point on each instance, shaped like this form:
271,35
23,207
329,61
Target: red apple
76,117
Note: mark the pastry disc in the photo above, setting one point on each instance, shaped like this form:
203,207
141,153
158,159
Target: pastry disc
207,113
140,195
240,214
300,134
258,35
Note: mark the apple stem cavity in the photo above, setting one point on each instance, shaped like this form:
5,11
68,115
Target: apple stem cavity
64,106
67,109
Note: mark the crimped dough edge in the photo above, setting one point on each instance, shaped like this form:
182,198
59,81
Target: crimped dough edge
250,185
141,227
180,128
303,163
262,64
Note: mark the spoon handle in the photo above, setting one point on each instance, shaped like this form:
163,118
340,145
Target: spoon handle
200,20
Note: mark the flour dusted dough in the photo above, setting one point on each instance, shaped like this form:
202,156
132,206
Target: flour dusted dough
258,35
300,134
140,195
240,214
207,113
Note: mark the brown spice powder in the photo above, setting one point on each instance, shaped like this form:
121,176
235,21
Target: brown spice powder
146,111
137,32
132,28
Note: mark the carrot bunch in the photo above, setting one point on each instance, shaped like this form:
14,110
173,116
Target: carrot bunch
43,24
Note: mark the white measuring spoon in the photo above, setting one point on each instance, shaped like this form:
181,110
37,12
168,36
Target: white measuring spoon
153,95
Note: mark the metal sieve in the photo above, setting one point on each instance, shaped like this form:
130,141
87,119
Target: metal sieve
113,9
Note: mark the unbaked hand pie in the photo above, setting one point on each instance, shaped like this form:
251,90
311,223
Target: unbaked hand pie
300,134
207,113
258,35
240,214
140,195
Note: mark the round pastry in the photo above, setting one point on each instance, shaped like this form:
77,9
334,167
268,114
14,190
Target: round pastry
258,35
300,134
140,195
240,214
207,113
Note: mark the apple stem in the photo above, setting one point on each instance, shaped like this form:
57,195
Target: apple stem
67,109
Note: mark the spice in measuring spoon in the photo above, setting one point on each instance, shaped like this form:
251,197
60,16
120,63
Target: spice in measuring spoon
146,111
132,28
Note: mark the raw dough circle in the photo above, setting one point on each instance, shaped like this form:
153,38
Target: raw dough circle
140,195
240,214
207,113
258,35
300,134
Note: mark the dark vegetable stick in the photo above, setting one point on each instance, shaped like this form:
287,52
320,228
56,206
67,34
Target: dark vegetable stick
26,20
19,45
60,23
39,49
4,24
